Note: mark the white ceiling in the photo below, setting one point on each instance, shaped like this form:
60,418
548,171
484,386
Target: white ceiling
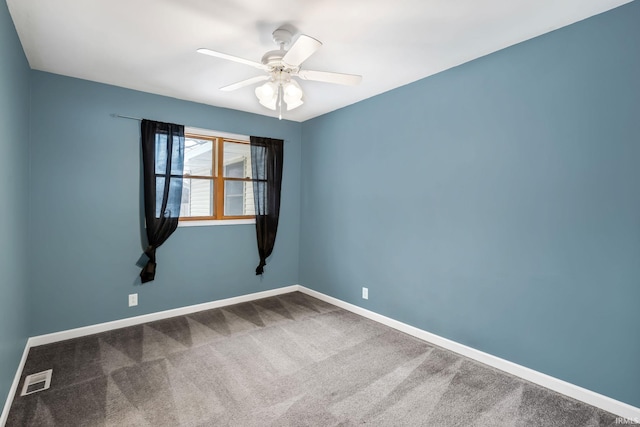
150,45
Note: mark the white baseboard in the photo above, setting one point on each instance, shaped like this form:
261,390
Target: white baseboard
145,318
14,387
579,393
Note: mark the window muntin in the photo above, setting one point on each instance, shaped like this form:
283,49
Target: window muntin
217,181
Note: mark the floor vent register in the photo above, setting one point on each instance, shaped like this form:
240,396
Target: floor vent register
36,382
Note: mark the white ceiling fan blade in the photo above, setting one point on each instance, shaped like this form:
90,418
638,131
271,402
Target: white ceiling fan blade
244,83
327,77
302,49
221,55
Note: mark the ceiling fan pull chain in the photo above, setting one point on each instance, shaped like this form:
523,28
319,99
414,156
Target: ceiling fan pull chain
280,101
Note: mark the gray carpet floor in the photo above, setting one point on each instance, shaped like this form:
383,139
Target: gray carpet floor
290,360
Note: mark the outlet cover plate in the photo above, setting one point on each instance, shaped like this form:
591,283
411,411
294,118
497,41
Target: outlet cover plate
133,300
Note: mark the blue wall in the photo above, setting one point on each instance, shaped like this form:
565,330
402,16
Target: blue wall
14,210
496,204
85,198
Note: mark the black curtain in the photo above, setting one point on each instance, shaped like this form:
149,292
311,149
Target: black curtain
163,164
266,165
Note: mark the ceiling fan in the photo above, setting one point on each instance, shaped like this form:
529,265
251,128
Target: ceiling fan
281,66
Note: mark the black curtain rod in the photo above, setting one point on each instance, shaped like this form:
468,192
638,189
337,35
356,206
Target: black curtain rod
120,116
126,117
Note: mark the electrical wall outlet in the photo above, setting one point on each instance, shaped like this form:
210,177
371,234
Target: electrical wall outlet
133,300
365,293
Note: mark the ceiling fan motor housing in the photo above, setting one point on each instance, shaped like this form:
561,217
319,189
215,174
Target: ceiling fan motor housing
273,58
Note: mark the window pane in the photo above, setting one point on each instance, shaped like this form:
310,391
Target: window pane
197,197
261,189
237,160
238,198
260,153
198,157
173,204
162,155
171,210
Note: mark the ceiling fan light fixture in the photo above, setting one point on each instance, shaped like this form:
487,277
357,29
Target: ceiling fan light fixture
292,89
292,94
268,95
293,103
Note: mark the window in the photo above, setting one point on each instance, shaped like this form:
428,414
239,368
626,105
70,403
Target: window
217,178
